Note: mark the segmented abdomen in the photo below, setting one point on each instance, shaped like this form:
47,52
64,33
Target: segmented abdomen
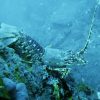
28,48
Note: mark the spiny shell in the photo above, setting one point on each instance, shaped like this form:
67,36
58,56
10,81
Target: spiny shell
27,48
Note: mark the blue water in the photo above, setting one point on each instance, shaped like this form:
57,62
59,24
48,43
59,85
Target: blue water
63,24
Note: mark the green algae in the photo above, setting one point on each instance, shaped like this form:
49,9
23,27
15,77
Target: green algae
56,91
3,92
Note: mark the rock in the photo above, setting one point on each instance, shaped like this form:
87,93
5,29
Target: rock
9,84
6,34
22,93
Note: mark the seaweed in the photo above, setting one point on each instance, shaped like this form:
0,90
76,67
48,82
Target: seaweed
4,95
83,87
62,85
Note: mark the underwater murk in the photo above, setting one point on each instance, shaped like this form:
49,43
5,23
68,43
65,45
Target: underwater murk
49,49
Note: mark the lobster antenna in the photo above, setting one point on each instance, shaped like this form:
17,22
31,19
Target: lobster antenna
83,50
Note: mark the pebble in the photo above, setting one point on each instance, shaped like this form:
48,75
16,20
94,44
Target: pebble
22,93
9,84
